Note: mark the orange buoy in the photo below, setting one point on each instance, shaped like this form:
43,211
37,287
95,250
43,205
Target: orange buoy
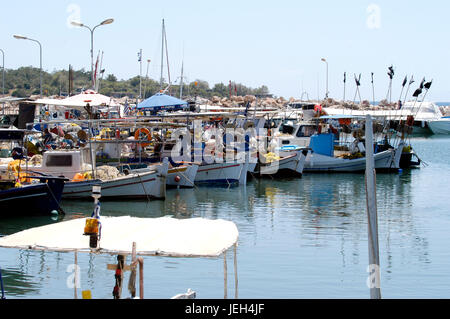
143,132
78,177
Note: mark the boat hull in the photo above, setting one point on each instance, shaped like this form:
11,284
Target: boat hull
220,173
321,163
440,126
291,165
183,176
34,199
149,185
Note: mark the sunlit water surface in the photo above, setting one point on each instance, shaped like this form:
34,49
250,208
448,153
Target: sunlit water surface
298,238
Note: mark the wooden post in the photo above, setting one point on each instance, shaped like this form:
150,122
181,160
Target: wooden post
371,202
225,287
76,276
235,273
134,262
133,270
141,277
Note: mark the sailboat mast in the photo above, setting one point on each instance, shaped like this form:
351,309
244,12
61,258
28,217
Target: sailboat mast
181,83
162,55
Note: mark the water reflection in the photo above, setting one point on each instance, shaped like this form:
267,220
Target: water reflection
313,230
16,283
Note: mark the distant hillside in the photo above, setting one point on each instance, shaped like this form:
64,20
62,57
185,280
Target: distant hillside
24,82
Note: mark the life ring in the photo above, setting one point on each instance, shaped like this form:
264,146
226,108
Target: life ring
140,132
318,108
345,121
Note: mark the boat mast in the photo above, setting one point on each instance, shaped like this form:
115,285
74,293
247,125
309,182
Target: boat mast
162,55
181,81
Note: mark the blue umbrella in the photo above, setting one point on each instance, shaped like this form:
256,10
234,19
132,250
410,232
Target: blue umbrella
160,101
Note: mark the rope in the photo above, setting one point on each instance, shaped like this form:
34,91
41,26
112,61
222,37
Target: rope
60,210
143,187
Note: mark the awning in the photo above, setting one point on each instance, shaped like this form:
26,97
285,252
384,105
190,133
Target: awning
166,236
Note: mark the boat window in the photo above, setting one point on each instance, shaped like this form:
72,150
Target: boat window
271,124
286,129
59,161
305,131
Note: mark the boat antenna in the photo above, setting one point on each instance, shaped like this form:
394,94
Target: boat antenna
417,93
405,80
345,80
411,81
427,86
140,73
373,89
391,76
358,83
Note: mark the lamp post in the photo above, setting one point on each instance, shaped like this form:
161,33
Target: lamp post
3,71
79,24
324,60
21,37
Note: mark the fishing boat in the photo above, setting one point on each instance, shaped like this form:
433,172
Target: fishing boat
289,162
81,176
327,153
21,193
179,175
40,198
136,185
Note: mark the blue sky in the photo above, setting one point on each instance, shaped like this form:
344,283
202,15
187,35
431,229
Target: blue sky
275,43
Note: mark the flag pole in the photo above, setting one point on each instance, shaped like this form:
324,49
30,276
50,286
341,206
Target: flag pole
345,80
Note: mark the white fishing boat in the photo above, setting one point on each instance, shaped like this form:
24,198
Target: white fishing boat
75,166
324,158
326,155
144,185
290,163
440,126
182,175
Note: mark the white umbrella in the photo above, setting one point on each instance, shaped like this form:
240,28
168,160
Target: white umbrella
79,101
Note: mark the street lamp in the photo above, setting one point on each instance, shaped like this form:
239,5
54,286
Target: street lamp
21,37
324,60
3,71
79,24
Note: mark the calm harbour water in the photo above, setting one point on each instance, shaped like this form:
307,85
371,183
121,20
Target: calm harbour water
298,238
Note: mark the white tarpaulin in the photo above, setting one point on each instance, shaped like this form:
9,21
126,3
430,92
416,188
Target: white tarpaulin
196,237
